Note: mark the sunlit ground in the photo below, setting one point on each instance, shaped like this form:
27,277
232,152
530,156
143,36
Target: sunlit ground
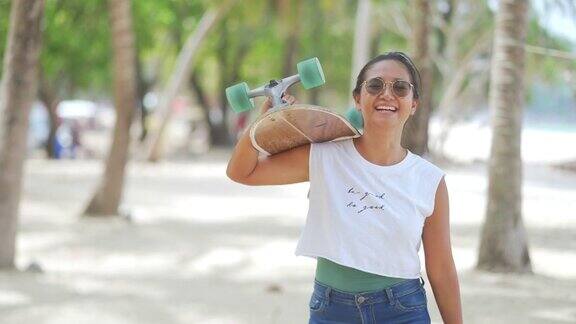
193,247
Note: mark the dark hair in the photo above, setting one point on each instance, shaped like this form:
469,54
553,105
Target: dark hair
396,56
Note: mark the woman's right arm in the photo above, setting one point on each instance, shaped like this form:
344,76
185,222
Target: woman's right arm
246,166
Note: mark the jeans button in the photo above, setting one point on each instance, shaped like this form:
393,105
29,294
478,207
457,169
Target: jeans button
361,299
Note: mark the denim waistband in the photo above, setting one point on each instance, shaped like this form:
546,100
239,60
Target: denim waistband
366,298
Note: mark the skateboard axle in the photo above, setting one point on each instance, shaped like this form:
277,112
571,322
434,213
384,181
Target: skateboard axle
275,89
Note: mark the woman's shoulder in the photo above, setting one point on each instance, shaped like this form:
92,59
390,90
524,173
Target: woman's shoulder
426,165
332,145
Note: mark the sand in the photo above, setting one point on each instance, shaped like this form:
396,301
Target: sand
194,247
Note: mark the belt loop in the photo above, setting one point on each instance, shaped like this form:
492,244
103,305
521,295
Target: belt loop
390,295
327,295
422,282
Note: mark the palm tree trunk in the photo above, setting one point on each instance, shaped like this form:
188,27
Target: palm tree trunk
362,38
181,72
231,59
109,193
142,88
416,129
17,92
503,246
48,96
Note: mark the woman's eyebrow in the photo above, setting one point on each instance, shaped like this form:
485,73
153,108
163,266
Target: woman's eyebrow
398,79
383,78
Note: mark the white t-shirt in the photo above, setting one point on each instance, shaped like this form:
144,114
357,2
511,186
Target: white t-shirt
366,216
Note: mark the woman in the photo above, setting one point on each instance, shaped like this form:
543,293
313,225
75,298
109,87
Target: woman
372,204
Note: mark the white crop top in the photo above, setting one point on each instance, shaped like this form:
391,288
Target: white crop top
366,216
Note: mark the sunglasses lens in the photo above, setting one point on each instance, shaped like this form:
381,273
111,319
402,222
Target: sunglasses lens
401,88
374,86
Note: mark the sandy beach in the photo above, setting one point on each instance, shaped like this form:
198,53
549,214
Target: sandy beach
194,247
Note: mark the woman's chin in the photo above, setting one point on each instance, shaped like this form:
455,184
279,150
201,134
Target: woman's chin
385,118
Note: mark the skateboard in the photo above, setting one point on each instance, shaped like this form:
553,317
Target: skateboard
284,126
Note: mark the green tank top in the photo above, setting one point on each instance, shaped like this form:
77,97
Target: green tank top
349,279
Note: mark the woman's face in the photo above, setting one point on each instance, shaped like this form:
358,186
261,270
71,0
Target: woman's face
386,108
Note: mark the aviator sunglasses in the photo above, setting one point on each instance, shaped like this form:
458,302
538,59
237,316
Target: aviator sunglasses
400,88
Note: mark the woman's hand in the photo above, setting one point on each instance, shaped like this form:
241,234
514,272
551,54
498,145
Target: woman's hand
287,98
247,167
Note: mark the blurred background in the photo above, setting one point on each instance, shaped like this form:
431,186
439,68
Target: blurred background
255,41
176,241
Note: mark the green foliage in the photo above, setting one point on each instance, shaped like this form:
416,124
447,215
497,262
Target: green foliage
77,52
161,28
332,43
544,67
4,22
324,32
76,46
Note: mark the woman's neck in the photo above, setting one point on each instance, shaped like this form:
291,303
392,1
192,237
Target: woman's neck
381,148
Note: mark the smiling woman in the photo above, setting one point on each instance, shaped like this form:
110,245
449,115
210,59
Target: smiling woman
391,86
372,204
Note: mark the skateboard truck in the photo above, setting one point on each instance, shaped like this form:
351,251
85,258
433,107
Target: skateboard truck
310,74
288,126
275,89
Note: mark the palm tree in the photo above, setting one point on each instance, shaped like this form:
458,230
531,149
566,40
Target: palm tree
503,245
361,49
416,134
108,195
182,69
17,92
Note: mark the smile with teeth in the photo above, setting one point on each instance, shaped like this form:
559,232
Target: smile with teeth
386,108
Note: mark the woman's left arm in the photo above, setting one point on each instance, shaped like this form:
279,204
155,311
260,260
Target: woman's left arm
440,267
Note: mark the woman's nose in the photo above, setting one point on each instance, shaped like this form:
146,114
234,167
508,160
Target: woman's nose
387,91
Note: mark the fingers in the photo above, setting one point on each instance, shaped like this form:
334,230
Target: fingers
286,98
267,104
289,99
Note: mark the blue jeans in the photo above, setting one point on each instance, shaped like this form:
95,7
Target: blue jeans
404,302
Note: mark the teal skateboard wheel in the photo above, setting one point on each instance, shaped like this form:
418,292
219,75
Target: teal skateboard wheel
355,118
238,98
311,74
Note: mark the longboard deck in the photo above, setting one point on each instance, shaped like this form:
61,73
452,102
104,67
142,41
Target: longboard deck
285,128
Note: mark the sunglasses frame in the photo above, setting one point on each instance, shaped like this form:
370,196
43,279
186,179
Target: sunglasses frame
385,86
